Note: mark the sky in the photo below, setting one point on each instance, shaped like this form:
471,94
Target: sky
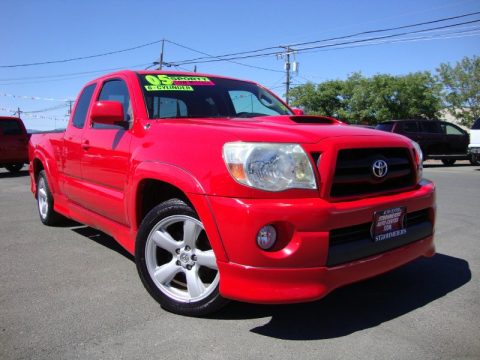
58,30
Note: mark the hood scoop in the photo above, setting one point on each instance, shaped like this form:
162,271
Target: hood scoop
313,119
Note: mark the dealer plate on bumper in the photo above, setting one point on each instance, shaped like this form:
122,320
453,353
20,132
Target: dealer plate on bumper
388,224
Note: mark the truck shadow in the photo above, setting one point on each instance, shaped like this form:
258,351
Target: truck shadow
7,174
102,239
456,165
359,306
347,310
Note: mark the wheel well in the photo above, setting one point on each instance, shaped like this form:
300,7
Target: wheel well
37,167
151,192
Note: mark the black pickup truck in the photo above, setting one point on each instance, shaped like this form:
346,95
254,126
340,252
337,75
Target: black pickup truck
439,140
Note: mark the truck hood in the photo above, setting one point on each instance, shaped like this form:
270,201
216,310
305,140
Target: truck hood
295,129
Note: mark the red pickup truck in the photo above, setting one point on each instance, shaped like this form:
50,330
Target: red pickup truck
13,143
221,191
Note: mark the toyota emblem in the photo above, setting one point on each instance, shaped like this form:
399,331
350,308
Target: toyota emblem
379,169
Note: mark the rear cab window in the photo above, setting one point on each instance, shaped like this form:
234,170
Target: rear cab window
11,127
82,106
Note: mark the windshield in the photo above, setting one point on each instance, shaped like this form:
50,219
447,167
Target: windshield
173,96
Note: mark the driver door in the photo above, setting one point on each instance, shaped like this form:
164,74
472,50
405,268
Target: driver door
106,158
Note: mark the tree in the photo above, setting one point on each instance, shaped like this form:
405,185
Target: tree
462,89
322,99
371,100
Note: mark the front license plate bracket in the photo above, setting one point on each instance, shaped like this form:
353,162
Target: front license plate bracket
388,224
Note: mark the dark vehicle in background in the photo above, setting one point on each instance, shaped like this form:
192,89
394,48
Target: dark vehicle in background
439,140
474,146
13,143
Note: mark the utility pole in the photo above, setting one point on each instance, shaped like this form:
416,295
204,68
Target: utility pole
288,51
18,112
287,70
70,102
160,64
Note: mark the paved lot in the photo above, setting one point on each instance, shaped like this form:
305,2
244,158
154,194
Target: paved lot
72,293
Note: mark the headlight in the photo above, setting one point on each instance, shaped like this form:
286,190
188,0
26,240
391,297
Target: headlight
418,160
267,166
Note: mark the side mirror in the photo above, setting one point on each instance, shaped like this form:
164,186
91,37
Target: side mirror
108,112
297,111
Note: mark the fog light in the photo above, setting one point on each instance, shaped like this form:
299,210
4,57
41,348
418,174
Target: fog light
266,237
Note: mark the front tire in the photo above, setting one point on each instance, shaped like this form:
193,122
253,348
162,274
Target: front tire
48,216
475,159
176,262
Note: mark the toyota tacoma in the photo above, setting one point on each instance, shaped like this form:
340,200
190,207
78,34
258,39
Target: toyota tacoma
222,191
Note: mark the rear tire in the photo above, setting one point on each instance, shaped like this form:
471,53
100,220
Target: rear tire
448,162
176,262
48,216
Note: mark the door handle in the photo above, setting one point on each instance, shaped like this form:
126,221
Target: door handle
86,145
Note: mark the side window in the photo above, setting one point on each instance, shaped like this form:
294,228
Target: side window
410,127
452,130
431,127
116,90
81,108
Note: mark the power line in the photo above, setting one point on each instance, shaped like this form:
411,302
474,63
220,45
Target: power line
351,35
73,74
234,62
33,116
304,49
453,35
323,40
58,107
31,97
388,29
82,57
257,52
231,55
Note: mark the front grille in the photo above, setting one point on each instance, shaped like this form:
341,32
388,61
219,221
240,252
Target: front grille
354,177
355,242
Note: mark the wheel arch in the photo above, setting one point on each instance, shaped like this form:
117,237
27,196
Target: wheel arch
39,163
37,166
154,183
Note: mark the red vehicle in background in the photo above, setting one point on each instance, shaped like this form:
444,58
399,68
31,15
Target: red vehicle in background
13,143
221,191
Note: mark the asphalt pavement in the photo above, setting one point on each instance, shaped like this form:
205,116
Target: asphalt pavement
71,292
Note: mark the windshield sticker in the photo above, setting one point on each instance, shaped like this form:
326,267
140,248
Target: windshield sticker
175,83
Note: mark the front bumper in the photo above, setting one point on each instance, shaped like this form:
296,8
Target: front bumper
299,269
474,150
282,286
